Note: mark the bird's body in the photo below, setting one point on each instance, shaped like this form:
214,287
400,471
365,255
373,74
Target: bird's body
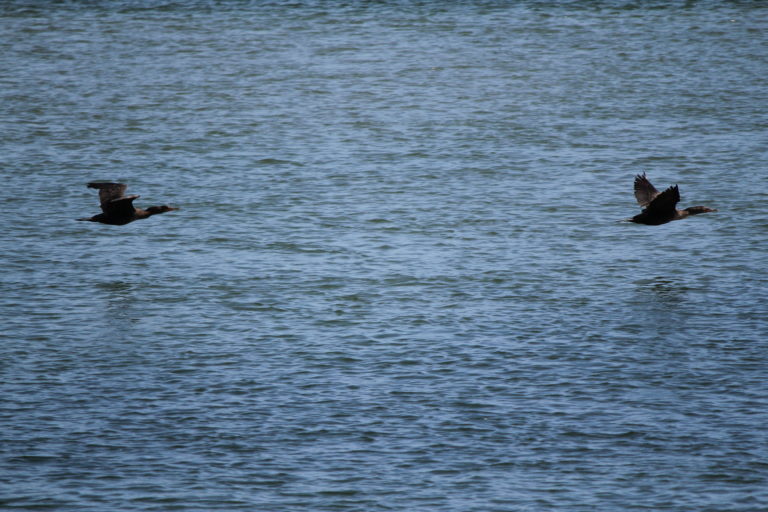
660,207
118,209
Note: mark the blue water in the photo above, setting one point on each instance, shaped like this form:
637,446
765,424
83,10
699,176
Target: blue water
397,280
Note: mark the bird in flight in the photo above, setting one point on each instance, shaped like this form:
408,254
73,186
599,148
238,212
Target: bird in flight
660,207
117,209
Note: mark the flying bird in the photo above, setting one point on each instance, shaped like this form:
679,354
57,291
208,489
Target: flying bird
659,207
118,209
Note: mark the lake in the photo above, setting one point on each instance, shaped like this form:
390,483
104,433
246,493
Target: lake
398,279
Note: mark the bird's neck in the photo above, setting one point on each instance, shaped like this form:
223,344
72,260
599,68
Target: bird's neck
695,210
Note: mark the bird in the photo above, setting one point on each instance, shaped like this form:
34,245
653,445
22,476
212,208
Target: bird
659,207
117,209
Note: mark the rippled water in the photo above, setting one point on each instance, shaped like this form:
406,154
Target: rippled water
397,280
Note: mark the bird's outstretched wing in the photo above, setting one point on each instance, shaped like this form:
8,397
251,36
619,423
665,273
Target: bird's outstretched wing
122,206
664,204
644,191
108,191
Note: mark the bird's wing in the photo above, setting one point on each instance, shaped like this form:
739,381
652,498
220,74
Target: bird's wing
108,192
664,203
644,191
122,206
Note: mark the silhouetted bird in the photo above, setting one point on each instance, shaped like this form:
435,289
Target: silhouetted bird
118,209
659,207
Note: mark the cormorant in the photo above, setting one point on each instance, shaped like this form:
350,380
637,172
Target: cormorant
118,209
659,207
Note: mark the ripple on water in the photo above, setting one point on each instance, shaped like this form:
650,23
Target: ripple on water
397,280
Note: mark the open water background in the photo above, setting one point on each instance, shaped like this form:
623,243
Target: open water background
397,280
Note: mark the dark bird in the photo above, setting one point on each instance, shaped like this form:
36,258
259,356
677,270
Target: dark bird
659,207
118,209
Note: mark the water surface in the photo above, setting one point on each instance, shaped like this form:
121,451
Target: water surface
397,280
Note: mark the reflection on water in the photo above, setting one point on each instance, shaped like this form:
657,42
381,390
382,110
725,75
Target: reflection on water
118,308
664,290
660,305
